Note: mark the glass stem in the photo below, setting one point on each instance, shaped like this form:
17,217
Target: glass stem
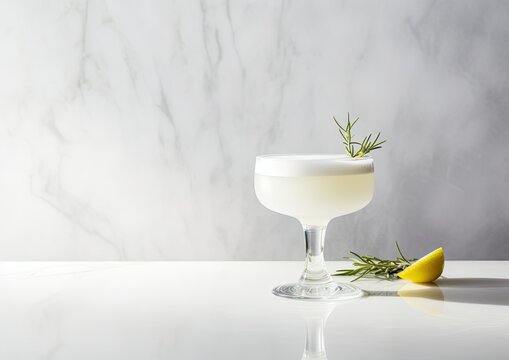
315,273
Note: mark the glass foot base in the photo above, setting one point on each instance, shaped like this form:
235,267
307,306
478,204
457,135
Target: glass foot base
330,291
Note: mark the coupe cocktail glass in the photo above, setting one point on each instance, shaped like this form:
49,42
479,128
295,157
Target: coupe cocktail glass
314,189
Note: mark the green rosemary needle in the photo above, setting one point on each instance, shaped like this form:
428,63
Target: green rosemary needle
365,146
371,266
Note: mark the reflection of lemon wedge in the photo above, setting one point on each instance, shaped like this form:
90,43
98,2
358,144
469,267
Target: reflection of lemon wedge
427,298
425,291
426,269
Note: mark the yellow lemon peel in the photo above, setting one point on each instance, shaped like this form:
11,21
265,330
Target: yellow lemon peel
426,269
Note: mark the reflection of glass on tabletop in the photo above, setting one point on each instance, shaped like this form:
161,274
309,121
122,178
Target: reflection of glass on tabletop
315,314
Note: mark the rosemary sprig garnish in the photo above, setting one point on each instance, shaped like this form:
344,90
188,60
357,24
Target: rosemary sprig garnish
371,266
365,146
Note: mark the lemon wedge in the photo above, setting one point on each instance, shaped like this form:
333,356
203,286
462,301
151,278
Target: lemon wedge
426,269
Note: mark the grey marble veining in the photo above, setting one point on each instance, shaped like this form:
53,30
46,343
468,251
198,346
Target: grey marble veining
128,129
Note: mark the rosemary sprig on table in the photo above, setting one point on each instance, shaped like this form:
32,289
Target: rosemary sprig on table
366,145
374,267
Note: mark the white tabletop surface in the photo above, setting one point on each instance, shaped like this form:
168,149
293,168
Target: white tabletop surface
225,310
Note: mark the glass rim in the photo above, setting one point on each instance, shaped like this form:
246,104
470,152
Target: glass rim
312,164
320,156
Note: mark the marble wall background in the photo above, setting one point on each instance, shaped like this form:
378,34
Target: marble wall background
128,129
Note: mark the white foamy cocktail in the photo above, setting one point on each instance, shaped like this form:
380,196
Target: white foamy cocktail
314,189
